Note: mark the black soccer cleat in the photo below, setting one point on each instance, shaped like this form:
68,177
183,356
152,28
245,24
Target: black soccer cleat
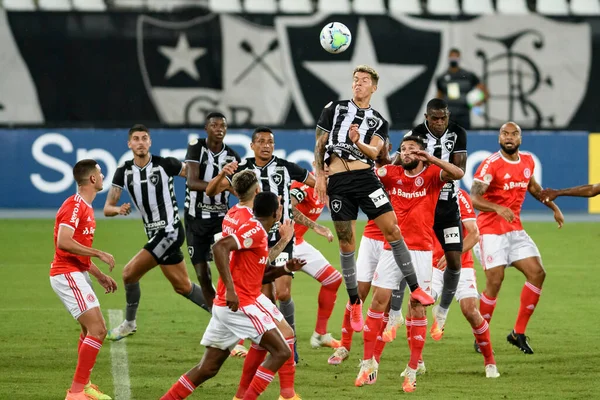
476,346
520,341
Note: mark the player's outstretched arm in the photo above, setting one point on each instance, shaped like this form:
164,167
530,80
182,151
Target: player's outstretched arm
221,251
272,272
65,242
577,191
535,189
302,219
450,172
220,183
110,206
286,233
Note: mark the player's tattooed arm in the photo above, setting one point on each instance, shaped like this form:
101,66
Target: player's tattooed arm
478,189
320,145
110,206
302,219
535,189
460,160
276,250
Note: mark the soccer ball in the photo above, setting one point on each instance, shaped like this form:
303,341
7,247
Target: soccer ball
335,37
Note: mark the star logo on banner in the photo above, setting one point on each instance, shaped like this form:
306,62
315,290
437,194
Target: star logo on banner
182,58
392,77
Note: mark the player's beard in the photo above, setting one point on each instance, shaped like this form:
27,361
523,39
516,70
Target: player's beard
511,151
409,166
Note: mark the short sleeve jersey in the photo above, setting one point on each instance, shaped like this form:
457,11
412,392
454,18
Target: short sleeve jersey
507,186
336,119
467,213
247,264
308,204
77,215
413,199
235,217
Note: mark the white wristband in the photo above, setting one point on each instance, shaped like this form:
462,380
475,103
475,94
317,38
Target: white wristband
285,268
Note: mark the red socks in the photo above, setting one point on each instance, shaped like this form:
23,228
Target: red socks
371,331
256,356
408,324
482,337
330,280
180,390
418,332
530,295
487,306
287,373
380,344
347,330
88,351
81,339
259,383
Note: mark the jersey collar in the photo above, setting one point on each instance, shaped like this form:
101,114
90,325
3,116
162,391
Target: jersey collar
431,133
144,167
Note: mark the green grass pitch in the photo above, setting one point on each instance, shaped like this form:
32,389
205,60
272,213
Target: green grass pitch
38,339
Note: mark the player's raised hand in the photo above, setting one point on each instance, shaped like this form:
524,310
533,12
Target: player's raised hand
442,263
506,213
107,259
229,169
125,209
286,230
108,283
325,232
295,264
321,189
548,194
421,155
559,218
233,302
353,133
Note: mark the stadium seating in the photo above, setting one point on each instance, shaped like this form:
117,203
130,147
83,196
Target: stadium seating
443,7
512,7
360,7
368,7
296,6
405,6
585,7
477,7
260,6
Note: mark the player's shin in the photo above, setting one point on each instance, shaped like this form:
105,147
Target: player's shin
371,331
287,373
197,297
482,337
347,330
404,261
259,383
180,389
486,306
330,281
256,356
530,295
380,345
348,264
88,352
418,332
451,279
132,297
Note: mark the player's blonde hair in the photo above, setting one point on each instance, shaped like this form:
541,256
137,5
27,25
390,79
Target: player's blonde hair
369,70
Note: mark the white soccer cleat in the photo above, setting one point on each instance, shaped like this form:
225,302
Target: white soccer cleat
420,369
127,328
339,355
439,322
389,333
491,371
410,380
325,340
368,373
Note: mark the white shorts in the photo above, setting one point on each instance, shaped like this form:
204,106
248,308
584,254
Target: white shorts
226,327
388,275
505,249
369,253
75,291
315,261
467,285
268,306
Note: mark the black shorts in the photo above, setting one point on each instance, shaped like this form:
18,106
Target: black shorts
349,191
450,235
286,254
166,246
200,235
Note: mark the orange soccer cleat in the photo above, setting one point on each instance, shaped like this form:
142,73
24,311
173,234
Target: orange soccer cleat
356,317
422,297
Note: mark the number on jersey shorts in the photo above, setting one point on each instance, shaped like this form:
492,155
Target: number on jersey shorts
505,249
226,327
467,285
369,253
388,274
315,261
75,291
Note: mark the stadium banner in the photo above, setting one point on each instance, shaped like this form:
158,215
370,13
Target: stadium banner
174,68
594,170
37,163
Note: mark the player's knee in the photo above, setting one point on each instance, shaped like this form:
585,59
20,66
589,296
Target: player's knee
284,353
285,329
284,294
98,331
182,288
537,277
392,232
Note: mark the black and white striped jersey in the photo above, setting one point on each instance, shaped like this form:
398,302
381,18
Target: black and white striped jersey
336,119
277,177
453,141
197,204
151,191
